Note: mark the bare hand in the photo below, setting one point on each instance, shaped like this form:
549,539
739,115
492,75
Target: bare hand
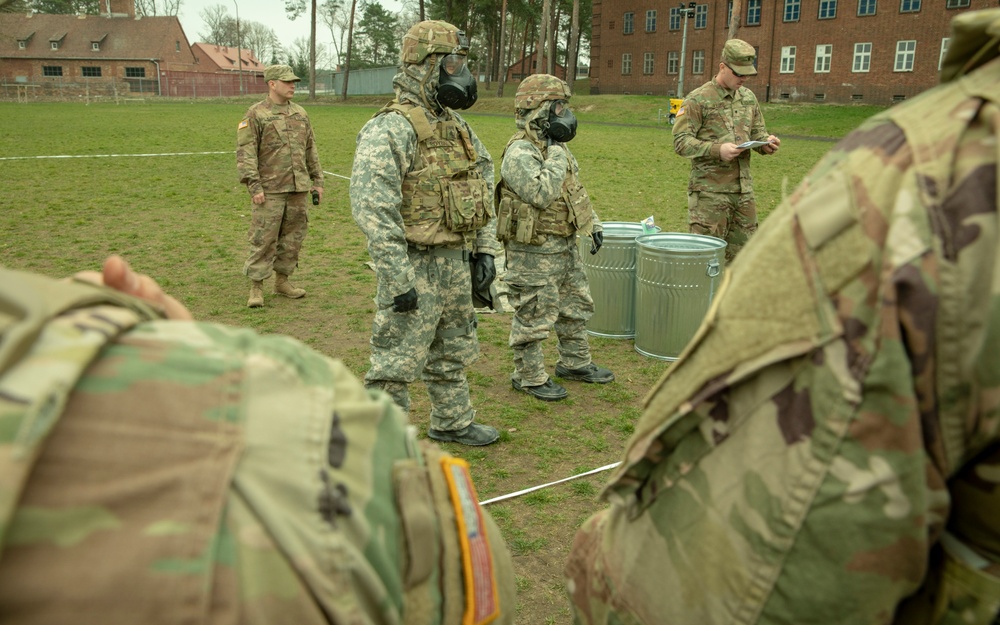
729,151
117,274
320,191
258,198
773,145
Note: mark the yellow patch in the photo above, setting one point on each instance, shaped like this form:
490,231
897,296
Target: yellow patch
482,601
243,124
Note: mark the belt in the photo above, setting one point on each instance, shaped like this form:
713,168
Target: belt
443,252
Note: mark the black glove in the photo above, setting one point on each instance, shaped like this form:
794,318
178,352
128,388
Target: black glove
405,302
484,274
598,241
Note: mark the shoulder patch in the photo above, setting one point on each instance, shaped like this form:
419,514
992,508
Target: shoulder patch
482,601
680,111
243,124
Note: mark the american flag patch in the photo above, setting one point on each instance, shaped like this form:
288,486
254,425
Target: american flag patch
243,124
482,602
680,111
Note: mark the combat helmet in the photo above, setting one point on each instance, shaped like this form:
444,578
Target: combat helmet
538,88
432,37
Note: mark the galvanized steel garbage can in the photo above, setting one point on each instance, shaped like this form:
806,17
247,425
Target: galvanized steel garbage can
611,274
677,275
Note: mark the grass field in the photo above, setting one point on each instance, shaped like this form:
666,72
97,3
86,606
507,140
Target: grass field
157,183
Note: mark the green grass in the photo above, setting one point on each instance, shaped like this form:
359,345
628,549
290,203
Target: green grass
183,219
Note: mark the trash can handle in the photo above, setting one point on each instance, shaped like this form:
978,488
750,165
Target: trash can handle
714,268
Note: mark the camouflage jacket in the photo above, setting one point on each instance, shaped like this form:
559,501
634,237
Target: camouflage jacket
826,447
158,471
710,116
386,152
275,149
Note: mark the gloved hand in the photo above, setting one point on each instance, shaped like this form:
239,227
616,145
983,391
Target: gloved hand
405,302
484,274
598,241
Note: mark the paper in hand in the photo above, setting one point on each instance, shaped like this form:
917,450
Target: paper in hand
752,144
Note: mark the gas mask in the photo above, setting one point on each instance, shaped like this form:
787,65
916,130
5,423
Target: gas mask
456,86
562,122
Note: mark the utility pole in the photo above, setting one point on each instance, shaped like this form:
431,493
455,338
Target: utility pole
686,12
239,47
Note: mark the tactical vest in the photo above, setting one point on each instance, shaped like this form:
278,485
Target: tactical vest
445,198
50,331
571,213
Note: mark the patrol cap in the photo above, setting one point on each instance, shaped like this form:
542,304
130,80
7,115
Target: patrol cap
432,37
280,72
739,56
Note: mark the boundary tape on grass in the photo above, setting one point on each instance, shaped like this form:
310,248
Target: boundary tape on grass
24,158
541,486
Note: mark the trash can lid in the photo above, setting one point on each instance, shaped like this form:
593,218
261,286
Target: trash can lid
680,241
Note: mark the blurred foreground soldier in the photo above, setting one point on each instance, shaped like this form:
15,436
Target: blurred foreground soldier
711,124
164,471
421,193
278,162
541,208
826,449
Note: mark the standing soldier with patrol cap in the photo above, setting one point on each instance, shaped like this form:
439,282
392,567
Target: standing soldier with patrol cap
541,208
278,162
713,121
421,191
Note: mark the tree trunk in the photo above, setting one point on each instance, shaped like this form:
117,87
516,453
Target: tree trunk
543,32
502,73
571,44
554,18
734,21
350,44
422,18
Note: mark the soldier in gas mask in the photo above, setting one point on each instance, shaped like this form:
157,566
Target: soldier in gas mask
421,192
542,207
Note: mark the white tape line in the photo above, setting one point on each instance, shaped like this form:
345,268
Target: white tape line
534,488
21,158
330,173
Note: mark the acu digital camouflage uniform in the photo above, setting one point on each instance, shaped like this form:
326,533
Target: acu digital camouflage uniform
826,449
721,201
276,154
413,164
158,471
542,207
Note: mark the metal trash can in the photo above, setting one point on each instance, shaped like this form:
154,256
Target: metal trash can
677,275
611,275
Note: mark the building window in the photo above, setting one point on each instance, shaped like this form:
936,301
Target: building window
792,10
862,57
51,70
753,12
611,25
729,15
650,21
944,51
701,16
95,46
22,44
957,4
698,62
54,45
628,23
626,64
673,61
787,59
827,9
91,72
909,6
824,54
647,63
866,7
177,46
905,51
135,72
675,19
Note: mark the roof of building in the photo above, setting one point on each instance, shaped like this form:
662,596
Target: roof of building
225,57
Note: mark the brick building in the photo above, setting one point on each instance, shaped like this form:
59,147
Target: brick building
841,51
526,65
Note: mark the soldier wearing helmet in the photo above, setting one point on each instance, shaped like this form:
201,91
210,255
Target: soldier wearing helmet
421,191
541,208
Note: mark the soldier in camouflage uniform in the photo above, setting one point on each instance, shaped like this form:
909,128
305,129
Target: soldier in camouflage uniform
159,471
826,449
714,119
421,192
278,161
541,208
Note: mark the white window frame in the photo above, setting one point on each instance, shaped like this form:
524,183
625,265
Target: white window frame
673,62
753,12
791,6
862,60
906,55
647,63
945,42
628,23
22,44
956,4
651,21
675,19
701,16
54,45
871,5
698,62
909,6
824,58
827,7
787,60
627,64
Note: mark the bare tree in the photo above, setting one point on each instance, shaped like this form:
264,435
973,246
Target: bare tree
152,8
261,40
334,15
221,26
572,51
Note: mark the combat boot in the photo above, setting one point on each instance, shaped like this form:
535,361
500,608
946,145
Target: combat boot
283,287
256,294
592,374
473,434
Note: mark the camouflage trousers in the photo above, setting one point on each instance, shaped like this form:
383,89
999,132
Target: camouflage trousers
436,342
277,229
548,292
731,217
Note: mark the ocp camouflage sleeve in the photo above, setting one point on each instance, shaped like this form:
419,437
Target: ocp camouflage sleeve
534,179
247,137
825,449
386,147
486,237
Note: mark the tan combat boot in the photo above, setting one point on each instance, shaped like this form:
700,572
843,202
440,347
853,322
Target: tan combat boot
283,287
256,294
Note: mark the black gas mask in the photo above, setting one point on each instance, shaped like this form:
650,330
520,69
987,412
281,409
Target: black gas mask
562,122
456,86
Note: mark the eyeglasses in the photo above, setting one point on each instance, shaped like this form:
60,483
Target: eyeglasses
735,73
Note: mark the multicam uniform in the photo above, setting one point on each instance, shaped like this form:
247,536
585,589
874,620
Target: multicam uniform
159,471
542,208
276,155
826,449
420,191
721,201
